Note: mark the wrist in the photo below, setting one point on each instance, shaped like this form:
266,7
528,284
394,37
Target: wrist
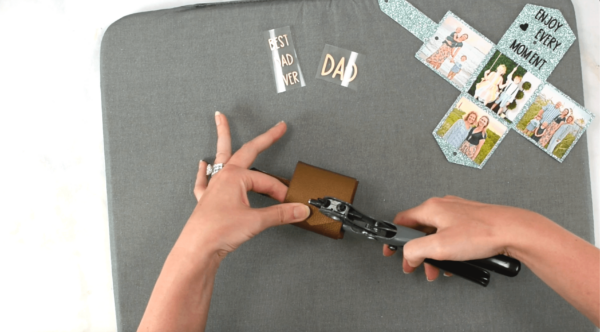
523,232
199,242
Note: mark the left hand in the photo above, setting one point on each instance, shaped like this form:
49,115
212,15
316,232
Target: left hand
223,218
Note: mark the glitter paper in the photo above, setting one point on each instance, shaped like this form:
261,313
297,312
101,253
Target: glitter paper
475,56
532,47
496,130
537,40
409,17
550,94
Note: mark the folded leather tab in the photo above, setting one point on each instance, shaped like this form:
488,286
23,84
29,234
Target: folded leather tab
310,182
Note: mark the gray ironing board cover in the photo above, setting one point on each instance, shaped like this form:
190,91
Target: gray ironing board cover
165,73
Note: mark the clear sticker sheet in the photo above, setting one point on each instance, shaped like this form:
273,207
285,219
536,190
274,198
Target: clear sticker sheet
284,60
340,66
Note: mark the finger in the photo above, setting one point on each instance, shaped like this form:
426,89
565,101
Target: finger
201,180
264,184
246,155
404,219
223,139
422,215
431,272
406,267
282,214
387,252
415,251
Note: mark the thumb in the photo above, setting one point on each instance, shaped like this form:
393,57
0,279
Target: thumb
415,251
283,214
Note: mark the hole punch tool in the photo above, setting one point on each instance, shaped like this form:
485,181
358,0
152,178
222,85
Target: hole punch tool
396,236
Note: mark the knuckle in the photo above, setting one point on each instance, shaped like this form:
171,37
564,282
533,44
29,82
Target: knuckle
438,250
221,154
249,146
280,214
433,201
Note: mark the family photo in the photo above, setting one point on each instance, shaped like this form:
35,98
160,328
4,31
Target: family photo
471,130
504,87
554,122
455,51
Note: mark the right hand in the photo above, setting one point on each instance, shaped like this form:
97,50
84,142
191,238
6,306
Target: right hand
459,229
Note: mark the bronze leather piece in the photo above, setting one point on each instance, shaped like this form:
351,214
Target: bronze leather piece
311,182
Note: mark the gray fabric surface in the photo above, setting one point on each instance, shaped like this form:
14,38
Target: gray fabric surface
165,73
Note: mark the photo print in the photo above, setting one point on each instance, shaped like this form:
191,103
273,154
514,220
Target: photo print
504,87
471,131
455,50
554,122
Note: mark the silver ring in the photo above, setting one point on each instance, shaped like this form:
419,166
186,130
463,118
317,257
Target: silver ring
209,169
216,168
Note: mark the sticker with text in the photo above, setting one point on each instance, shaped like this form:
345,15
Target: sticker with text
469,134
538,39
554,122
504,87
340,66
284,60
455,51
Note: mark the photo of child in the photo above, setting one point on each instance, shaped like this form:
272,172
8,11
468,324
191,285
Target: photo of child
538,132
554,122
455,51
471,130
457,67
532,125
504,87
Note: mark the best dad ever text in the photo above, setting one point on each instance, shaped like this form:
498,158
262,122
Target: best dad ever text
287,59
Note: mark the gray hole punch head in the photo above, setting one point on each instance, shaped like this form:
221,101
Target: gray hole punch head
397,236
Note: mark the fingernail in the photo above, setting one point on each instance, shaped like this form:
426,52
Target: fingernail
217,117
200,164
301,212
446,275
279,123
403,270
429,280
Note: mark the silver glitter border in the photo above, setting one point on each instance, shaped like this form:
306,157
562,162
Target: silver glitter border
403,7
409,17
567,36
454,155
485,59
525,109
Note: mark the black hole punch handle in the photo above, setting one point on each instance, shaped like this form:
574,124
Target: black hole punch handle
463,269
504,265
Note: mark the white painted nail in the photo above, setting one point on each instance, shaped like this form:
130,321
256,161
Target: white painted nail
217,117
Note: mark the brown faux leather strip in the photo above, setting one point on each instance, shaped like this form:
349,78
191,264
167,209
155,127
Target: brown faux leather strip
310,182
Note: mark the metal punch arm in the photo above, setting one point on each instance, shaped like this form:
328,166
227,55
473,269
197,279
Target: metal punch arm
397,236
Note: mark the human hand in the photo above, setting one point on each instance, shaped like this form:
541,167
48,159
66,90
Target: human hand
223,218
459,229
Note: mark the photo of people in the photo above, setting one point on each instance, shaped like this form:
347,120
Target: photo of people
471,130
455,51
554,122
504,87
